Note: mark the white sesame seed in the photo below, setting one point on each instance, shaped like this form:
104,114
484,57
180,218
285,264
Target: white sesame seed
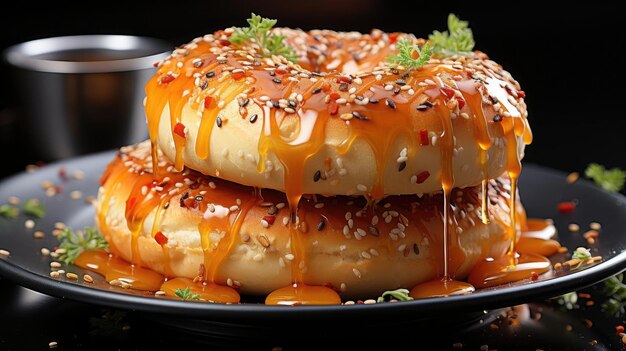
289,257
361,187
264,223
29,224
5,253
356,272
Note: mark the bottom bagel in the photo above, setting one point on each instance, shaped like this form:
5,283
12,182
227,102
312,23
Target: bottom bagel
185,224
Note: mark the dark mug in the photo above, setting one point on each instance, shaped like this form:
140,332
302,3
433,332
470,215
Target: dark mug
80,94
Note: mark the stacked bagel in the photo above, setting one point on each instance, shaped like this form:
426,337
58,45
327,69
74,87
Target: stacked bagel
340,172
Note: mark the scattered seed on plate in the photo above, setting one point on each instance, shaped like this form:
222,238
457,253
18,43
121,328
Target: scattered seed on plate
572,177
55,265
45,251
53,344
29,224
39,234
4,253
76,195
595,226
13,200
573,227
54,274
71,276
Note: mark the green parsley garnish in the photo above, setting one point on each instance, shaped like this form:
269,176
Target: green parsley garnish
410,56
76,242
259,33
398,294
185,294
582,254
34,208
608,179
615,289
568,300
457,40
8,211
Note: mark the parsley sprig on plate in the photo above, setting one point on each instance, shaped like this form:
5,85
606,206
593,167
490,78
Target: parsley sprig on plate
186,294
76,242
259,32
608,179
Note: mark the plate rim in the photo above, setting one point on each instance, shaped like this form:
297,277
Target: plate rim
255,311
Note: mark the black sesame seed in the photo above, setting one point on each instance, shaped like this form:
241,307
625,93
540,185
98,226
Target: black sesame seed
373,230
357,115
244,103
199,198
396,91
395,71
292,103
317,176
321,225
494,99
277,80
316,90
400,82
198,64
204,85
402,166
497,118
359,97
405,75
373,101
166,206
272,73
422,107
219,122
343,86
210,74
275,103
356,57
390,103
428,103
253,118
416,249
256,63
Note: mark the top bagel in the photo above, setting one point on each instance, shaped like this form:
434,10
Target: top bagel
340,121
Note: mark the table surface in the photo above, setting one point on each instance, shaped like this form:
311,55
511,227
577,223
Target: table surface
32,320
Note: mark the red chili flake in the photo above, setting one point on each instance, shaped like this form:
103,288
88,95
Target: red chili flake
333,108
207,101
521,94
224,42
269,219
334,95
156,64
280,71
619,329
179,129
62,173
424,137
325,87
190,202
421,177
130,203
447,92
58,189
168,78
534,276
160,238
393,38
461,102
566,207
344,79
237,75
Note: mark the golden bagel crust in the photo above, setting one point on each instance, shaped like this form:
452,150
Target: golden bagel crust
227,112
352,251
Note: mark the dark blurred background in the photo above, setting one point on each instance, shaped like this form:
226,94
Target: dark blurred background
568,60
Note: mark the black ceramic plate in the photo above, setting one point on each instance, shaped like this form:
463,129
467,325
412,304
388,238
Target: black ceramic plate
541,190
